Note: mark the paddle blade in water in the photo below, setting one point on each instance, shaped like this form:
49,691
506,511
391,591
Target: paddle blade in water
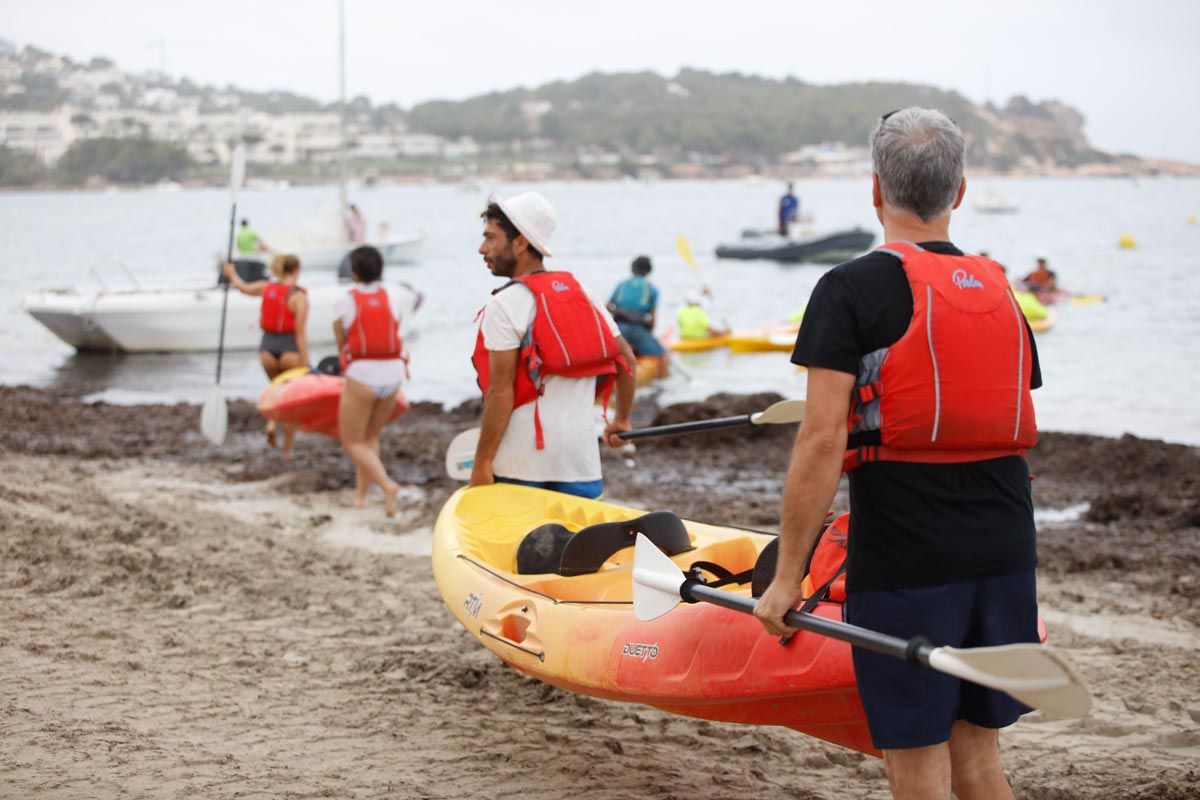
214,417
460,455
656,580
1032,673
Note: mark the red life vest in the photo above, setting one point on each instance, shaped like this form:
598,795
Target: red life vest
568,337
375,332
955,386
275,316
825,573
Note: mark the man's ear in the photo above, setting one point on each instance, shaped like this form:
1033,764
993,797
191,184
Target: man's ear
876,192
962,190
519,245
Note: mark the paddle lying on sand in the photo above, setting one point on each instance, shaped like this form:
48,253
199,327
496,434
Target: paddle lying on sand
1032,673
460,455
214,416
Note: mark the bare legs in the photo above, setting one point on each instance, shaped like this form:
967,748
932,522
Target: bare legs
969,762
274,367
361,417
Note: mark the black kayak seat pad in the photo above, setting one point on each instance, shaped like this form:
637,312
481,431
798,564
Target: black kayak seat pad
552,548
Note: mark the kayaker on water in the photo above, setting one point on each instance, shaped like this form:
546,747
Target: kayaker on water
693,321
789,209
1042,279
942,540
634,305
248,242
367,329
537,428
284,322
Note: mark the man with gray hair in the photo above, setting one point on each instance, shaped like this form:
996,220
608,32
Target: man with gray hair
920,367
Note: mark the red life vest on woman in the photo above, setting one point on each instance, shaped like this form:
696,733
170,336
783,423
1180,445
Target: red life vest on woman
375,331
275,316
568,337
955,386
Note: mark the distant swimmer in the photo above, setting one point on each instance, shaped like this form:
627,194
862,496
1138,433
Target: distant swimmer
634,305
693,321
1042,279
284,322
356,224
789,209
537,425
248,242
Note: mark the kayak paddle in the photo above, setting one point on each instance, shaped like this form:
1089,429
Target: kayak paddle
214,416
460,455
685,252
1032,673
781,413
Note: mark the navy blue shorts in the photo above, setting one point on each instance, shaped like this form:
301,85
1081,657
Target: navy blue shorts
911,707
587,489
641,340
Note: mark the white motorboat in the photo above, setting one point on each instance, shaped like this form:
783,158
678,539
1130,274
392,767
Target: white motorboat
992,203
179,320
322,244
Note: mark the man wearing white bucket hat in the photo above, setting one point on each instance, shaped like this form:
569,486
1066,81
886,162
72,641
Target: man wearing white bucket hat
544,352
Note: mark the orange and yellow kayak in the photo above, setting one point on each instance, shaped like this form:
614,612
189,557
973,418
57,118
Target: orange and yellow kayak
578,631
309,400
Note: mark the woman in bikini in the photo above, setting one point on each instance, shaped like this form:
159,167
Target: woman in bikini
284,320
367,328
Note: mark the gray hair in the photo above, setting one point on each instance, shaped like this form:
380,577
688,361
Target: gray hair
918,154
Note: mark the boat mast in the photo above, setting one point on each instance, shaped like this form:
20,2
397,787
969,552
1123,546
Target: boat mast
341,106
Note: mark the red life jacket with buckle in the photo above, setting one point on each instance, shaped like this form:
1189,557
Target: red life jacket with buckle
275,316
375,332
955,386
568,337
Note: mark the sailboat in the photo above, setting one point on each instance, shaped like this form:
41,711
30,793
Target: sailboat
323,243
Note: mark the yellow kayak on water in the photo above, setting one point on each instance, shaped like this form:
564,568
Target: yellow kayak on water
778,339
698,345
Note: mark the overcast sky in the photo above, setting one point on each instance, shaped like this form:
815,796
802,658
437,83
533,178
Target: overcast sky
1132,68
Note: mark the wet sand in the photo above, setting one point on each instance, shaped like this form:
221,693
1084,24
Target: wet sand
181,620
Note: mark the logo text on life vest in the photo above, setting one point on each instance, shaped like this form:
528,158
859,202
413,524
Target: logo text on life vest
963,280
559,286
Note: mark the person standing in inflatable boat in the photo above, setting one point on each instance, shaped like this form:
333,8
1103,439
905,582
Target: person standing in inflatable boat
284,322
367,328
920,366
544,352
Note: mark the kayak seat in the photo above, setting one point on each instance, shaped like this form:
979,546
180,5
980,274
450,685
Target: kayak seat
552,548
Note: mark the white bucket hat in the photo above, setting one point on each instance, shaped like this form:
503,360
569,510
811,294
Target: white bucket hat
532,215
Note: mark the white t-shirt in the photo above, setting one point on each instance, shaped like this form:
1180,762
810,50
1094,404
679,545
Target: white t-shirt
572,451
371,371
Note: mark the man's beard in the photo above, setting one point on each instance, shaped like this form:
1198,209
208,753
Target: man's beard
504,264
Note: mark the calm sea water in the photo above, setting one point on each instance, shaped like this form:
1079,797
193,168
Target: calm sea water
1128,365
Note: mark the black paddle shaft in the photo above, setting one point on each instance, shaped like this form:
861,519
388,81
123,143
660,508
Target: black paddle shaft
225,297
689,427
915,651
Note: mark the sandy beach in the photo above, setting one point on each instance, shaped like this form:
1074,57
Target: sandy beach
178,620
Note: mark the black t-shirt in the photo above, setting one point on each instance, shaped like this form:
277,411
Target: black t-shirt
913,524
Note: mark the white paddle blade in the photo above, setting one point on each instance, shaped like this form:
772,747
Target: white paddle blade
214,417
460,455
1032,673
237,171
780,413
656,580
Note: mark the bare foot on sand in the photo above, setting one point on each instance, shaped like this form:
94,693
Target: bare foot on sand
390,492
271,433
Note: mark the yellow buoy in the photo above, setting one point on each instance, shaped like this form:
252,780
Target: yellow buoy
1193,220
1126,242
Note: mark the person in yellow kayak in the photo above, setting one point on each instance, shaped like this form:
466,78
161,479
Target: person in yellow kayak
942,541
248,241
284,322
634,305
544,352
693,321
1042,279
